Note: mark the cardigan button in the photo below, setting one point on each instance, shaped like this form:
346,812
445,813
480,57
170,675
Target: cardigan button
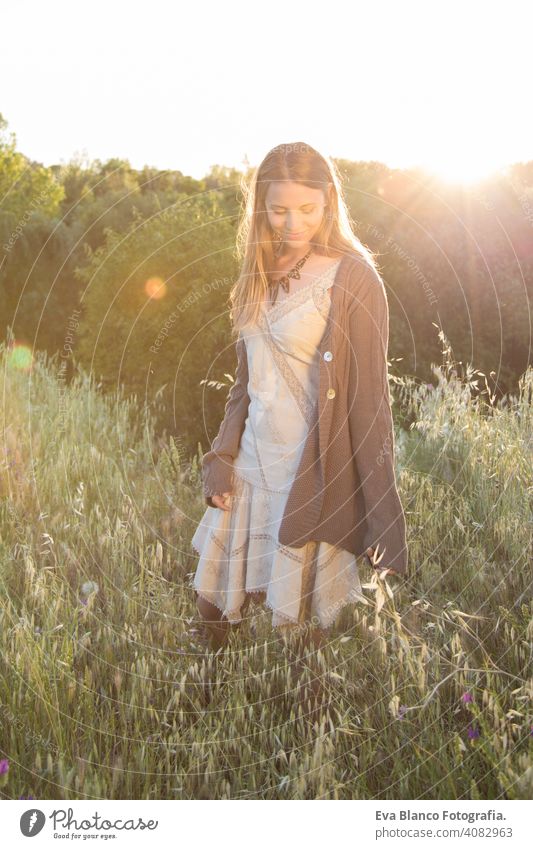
331,392
328,356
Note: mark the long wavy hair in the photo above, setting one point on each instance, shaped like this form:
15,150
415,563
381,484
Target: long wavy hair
255,249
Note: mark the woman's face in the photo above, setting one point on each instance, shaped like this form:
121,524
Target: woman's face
295,211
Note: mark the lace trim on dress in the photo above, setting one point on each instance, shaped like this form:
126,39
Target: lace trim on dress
253,562
285,621
294,299
305,403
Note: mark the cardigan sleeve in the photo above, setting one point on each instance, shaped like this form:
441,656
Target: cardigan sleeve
217,464
371,424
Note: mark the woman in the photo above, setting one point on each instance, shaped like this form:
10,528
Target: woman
300,481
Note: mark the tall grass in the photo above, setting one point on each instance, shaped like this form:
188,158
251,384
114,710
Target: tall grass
102,686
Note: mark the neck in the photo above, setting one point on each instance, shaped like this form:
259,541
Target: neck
290,255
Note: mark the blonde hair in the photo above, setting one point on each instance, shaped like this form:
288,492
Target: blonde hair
297,163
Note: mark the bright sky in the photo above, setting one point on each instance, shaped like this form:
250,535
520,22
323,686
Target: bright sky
184,85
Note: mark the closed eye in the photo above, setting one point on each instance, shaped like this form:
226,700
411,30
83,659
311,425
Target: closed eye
305,211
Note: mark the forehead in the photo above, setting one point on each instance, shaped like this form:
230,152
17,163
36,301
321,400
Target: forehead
292,194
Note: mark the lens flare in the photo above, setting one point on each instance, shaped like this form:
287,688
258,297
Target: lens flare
155,288
20,357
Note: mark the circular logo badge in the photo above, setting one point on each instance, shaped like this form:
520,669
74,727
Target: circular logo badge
32,822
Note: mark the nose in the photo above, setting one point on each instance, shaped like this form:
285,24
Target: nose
290,227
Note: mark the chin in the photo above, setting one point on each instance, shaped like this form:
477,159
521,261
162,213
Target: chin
299,240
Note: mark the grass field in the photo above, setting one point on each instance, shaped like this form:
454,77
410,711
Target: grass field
428,687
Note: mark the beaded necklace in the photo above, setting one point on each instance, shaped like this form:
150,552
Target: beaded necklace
285,280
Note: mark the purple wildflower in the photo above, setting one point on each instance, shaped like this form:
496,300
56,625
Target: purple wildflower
26,797
467,697
473,732
402,711
4,766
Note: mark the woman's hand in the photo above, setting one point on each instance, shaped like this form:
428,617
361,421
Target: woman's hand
375,561
220,501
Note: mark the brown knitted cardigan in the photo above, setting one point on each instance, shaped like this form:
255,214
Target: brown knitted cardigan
345,490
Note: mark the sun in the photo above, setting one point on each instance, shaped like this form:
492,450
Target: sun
463,171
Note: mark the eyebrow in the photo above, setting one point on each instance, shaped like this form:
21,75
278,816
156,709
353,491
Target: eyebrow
309,203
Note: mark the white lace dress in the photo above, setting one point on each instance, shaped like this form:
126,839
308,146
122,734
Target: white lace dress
239,549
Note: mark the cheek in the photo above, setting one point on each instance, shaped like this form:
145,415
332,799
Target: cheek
316,220
272,220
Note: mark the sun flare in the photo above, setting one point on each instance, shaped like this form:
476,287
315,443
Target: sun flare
463,171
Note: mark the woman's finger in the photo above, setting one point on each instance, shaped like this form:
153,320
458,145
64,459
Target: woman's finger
222,501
